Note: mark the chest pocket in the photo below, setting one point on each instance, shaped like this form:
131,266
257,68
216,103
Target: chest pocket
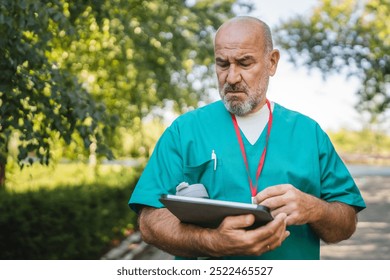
204,173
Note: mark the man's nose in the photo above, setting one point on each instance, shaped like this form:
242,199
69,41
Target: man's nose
234,75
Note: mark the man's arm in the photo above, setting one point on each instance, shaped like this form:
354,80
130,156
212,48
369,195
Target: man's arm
332,221
162,229
335,221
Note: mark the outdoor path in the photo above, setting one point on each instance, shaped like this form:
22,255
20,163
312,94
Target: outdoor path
370,241
372,237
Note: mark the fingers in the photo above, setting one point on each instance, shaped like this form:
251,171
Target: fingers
282,210
298,206
281,199
273,191
276,239
234,239
270,236
238,222
273,245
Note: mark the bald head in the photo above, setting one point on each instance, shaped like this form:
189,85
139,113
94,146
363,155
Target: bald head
247,25
244,62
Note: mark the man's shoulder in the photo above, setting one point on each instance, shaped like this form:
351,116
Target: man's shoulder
298,123
292,116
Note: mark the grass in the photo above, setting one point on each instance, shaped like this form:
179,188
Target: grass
38,176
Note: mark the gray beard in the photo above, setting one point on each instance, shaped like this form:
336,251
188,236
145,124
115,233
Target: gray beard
242,108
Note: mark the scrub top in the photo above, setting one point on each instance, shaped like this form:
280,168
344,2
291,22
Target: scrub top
299,153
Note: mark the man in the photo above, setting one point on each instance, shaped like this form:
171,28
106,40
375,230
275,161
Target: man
265,154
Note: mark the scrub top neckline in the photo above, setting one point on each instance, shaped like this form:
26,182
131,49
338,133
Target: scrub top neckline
261,138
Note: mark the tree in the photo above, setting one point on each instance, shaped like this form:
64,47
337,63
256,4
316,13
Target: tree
350,37
39,101
82,69
139,55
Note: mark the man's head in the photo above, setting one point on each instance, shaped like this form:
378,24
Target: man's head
245,60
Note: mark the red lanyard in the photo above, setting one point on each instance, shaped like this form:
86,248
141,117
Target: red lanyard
262,158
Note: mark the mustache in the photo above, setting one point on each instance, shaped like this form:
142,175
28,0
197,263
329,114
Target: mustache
234,88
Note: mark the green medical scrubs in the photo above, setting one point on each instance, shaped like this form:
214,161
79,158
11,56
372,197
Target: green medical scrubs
299,153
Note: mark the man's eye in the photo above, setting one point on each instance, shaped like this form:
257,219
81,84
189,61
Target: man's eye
223,64
245,63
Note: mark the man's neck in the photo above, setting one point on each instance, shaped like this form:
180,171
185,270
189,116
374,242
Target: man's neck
252,124
259,107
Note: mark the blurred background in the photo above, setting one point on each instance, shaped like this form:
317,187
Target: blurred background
87,87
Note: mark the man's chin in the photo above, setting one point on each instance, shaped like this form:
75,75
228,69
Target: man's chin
233,102
235,98
236,107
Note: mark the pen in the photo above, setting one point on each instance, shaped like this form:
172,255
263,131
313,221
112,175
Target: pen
214,157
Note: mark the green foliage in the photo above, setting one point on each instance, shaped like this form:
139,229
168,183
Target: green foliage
135,56
80,70
38,99
364,142
77,72
148,135
347,36
58,221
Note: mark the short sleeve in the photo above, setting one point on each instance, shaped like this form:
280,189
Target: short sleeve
337,183
162,173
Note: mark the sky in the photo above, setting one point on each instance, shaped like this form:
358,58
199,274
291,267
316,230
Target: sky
330,102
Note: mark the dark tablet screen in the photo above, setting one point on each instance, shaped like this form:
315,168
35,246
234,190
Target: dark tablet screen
209,213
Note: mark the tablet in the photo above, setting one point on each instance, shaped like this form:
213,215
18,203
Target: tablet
209,213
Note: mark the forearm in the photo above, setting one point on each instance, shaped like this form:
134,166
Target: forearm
160,228
334,221
177,239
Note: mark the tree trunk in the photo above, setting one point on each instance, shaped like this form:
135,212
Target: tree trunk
3,156
2,175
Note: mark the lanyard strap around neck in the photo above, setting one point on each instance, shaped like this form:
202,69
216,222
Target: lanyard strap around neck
262,158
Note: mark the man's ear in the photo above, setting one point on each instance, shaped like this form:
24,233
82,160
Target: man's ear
273,60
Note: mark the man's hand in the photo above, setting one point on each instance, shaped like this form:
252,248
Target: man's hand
332,221
230,238
300,208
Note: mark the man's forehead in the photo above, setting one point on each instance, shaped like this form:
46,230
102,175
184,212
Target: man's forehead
236,37
238,49
236,53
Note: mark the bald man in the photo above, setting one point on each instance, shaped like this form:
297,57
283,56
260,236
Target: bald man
267,155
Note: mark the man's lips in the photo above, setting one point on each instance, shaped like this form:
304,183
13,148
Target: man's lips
234,92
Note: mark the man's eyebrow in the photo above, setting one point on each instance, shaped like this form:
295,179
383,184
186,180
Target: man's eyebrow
245,57
220,59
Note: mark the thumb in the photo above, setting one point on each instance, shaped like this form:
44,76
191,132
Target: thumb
238,222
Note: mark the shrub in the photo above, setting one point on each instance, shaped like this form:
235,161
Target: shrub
77,222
